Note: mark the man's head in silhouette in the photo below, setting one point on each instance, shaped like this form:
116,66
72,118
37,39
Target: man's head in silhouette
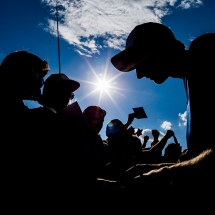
22,74
151,49
202,52
116,131
95,118
58,91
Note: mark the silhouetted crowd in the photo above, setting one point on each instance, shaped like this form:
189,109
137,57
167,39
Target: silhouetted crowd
56,149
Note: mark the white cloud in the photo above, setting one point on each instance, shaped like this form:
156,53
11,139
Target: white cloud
186,4
166,125
114,42
148,132
183,117
91,25
81,53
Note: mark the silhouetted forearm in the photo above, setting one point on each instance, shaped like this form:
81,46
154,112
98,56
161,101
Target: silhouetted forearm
158,147
200,166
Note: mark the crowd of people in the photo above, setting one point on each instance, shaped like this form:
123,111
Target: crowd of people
44,153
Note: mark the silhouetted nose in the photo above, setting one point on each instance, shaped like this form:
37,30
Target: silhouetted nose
139,74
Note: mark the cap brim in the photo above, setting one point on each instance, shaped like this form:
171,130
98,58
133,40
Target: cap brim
128,59
70,84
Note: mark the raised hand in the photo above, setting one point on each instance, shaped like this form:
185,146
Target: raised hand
170,133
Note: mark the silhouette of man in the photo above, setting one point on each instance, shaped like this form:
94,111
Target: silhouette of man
151,49
22,74
98,150
58,91
95,117
194,67
60,145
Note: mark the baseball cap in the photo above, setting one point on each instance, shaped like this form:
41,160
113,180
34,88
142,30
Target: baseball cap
60,80
143,41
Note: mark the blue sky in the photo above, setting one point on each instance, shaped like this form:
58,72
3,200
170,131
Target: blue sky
91,32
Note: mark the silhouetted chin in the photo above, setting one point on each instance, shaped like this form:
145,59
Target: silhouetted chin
159,80
139,75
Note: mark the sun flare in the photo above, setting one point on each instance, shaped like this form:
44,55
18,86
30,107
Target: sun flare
102,85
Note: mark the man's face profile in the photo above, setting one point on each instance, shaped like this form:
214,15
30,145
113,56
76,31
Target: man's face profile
155,68
153,73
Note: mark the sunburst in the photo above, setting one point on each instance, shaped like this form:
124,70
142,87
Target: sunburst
104,86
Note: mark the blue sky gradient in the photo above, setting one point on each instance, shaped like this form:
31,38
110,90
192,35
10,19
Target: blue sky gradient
91,32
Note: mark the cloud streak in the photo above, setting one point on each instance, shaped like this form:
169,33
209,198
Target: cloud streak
93,25
186,4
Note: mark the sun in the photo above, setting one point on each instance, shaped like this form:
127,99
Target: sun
103,85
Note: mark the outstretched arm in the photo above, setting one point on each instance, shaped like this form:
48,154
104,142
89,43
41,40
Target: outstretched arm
158,147
131,117
196,172
145,140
